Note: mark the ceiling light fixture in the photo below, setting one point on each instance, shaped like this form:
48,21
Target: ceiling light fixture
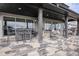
47,14
19,8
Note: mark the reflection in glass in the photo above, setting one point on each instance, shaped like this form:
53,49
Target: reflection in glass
10,25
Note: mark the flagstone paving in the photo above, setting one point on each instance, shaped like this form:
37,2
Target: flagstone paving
49,47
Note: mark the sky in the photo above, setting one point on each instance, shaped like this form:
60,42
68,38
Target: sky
74,6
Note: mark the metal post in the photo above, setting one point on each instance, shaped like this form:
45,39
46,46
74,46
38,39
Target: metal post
36,26
8,35
51,30
77,27
40,25
5,25
55,26
33,25
66,27
52,26
62,27
25,23
15,30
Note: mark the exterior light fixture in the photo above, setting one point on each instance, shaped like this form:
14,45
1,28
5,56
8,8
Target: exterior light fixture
35,20
47,14
19,8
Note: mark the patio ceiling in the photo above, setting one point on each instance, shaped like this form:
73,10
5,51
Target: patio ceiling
31,9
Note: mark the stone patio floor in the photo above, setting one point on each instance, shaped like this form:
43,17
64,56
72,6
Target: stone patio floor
54,46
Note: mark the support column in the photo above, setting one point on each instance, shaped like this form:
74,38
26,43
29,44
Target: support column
55,26
1,26
77,27
51,30
66,27
36,26
33,25
5,25
40,25
43,25
27,24
63,28
15,26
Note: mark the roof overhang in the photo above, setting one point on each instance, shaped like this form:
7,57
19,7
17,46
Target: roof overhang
31,9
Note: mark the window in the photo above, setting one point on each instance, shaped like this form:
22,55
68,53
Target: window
10,25
20,23
47,26
30,24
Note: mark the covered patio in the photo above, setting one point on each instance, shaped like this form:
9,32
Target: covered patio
46,25
39,14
